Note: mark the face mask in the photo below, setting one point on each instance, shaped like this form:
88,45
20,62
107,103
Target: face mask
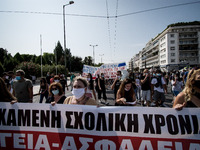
18,78
56,81
55,92
158,74
102,76
88,79
7,77
146,73
126,89
154,74
78,93
197,84
118,77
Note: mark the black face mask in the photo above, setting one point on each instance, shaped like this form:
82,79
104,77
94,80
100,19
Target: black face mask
197,83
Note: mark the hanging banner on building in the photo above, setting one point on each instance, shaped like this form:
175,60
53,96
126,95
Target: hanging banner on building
109,70
43,126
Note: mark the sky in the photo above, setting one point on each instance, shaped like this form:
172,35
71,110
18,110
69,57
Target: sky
118,38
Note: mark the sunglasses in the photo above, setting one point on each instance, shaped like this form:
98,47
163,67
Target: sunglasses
54,89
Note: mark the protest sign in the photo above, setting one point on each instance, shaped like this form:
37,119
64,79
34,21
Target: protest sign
43,126
109,70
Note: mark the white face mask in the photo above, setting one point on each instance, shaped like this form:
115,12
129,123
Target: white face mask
78,93
56,81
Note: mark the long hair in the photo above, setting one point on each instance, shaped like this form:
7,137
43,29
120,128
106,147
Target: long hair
58,85
6,96
189,89
122,87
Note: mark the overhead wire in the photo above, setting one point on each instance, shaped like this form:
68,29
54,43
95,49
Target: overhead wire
96,16
115,34
108,21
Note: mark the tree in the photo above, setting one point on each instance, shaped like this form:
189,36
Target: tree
49,58
29,68
88,61
18,58
76,64
59,54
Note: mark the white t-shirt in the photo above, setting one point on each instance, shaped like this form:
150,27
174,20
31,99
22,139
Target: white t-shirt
159,89
178,86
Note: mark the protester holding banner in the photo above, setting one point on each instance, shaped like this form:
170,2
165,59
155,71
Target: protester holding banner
6,96
79,93
90,89
116,83
126,94
22,88
102,88
190,96
56,94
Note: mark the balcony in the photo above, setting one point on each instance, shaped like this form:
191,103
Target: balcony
187,42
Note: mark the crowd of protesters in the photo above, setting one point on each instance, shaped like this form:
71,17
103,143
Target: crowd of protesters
148,87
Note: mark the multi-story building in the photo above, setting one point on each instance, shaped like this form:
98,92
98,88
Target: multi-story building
176,47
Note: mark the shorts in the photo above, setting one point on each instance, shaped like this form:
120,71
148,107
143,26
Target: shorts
146,95
159,96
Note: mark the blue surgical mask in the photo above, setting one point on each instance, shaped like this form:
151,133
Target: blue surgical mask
158,74
55,92
18,78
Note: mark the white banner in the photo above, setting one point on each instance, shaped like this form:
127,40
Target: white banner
38,126
109,70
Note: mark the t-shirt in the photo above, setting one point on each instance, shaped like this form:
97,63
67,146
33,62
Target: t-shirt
90,101
117,85
178,85
21,90
51,99
146,85
137,81
159,89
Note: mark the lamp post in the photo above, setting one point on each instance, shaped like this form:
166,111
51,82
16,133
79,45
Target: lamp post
70,2
101,56
93,52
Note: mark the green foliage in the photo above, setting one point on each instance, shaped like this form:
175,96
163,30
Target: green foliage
30,68
88,61
184,24
31,64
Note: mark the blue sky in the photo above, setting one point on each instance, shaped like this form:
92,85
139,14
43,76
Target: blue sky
20,32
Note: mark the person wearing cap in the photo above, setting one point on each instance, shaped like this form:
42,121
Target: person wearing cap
22,88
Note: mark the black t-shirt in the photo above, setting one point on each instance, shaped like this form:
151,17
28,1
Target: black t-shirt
117,85
147,84
61,100
128,97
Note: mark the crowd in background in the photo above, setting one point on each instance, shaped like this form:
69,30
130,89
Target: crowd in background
148,87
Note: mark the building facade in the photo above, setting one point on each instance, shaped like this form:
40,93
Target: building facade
173,49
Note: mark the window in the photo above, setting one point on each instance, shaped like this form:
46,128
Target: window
172,42
172,60
163,56
171,35
163,61
172,48
172,54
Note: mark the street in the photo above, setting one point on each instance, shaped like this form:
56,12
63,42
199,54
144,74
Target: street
109,94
